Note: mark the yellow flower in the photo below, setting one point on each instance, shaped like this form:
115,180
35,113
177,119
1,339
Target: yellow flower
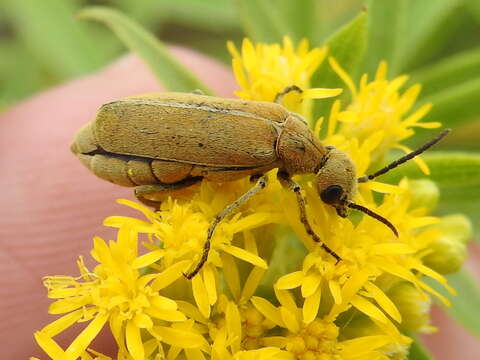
317,339
263,71
369,250
223,312
115,292
378,109
179,230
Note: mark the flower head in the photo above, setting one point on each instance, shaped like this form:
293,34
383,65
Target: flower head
379,110
263,71
115,292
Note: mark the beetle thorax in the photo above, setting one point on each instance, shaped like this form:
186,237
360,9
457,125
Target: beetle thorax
298,148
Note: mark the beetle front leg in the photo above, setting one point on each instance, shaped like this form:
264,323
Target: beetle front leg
144,190
262,181
288,183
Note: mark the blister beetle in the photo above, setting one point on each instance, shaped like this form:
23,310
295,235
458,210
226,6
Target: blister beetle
166,141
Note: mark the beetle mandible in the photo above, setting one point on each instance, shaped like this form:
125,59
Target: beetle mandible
166,141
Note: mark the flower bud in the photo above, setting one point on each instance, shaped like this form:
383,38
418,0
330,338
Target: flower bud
424,194
449,250
413,305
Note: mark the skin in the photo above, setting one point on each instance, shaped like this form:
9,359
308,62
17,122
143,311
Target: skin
43,228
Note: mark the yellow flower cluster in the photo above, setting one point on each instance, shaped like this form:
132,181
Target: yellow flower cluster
242,305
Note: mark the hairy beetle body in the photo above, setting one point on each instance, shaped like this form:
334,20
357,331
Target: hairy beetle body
170,137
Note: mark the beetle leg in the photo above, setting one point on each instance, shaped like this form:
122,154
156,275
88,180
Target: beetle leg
288,183
261,184
288,89
143,190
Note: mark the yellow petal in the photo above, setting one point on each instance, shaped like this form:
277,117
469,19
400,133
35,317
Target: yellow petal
230,272
333,118
252,282
49,346
310,284
352,348
167,315
418,160
289,320
149,214
290,281
318,93
434,275
368,309
134,341
164,303
178,337
336,291
148,258
385,188
311,305
142,321
84,339
234,325
392,248
384,301
62,323
343,75
210,283
200,295
191,311
172,273
268,310
417,115
194,354
66,305
286,298
245,255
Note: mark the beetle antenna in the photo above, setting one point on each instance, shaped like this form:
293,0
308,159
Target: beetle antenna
405,158
373,215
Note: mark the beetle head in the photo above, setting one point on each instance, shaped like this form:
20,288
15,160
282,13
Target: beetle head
336,180
337,185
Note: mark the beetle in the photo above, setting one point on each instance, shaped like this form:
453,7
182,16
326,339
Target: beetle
167,141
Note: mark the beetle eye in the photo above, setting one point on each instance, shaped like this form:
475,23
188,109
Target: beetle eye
331,194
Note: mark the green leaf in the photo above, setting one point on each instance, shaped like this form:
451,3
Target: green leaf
212,15
386,25
457,174
418,352
466,303
19,76
269,21
300,17
455,105
348,47
430,24
474,8
262,20
449,72
49,30
165,67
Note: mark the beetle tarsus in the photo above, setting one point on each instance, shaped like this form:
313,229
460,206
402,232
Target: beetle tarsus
288,89
261,184
288,183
